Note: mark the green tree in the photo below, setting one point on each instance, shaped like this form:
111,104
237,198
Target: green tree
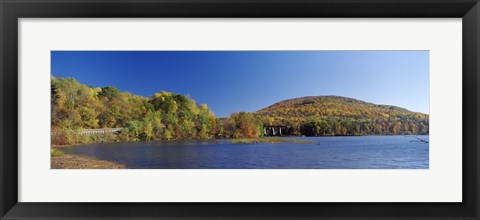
109,92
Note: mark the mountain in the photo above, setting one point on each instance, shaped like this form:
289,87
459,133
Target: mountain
335,115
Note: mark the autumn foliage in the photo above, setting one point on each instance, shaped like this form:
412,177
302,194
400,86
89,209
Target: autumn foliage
164,116
334,115
170,116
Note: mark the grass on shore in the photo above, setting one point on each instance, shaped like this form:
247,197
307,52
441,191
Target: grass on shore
271,140
56,153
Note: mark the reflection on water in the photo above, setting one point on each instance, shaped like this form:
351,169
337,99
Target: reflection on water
364,152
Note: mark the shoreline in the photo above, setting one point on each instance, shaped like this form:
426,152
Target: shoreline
74,161
267,139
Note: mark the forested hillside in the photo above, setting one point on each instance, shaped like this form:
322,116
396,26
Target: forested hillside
334,115
164,116
170,116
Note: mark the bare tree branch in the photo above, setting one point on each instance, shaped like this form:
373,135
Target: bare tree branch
419,140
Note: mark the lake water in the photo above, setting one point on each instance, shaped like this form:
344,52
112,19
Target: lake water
361,152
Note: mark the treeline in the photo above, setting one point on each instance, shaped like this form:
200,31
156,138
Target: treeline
164,116
170,116
339,127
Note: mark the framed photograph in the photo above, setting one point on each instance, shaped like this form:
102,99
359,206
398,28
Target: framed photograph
225,109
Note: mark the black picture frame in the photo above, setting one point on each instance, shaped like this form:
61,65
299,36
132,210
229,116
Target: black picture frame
12,10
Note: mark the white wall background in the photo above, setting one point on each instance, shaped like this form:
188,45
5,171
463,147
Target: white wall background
440,183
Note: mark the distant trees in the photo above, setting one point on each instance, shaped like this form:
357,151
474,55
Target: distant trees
342,127
242,125
170,116
333,115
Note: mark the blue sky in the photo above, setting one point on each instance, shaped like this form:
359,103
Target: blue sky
233,81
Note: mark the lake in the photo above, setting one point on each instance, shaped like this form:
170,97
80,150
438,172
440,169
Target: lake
358,152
